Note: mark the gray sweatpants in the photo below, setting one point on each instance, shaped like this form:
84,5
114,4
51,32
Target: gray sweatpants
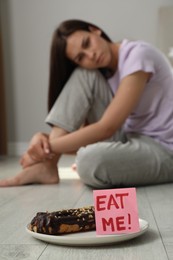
123,160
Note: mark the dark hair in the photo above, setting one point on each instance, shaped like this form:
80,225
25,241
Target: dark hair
60,66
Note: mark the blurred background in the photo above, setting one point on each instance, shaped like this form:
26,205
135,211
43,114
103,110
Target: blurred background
26,28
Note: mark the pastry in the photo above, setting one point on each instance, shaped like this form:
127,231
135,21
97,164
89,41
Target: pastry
64,221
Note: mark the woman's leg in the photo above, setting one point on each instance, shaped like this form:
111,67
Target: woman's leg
84,98
138,161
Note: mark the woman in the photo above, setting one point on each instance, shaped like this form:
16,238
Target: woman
121,93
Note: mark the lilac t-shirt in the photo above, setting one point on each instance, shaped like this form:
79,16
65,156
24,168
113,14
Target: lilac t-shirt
153,115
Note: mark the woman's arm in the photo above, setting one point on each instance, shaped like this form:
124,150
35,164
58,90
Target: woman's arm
126,99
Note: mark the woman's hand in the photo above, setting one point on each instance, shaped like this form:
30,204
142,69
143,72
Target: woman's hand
39,148
38,151
26,160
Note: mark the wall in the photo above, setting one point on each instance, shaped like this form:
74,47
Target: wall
165,35
27,27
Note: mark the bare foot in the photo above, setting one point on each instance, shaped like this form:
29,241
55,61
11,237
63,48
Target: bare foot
40,173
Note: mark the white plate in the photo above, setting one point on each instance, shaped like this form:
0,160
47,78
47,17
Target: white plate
89,238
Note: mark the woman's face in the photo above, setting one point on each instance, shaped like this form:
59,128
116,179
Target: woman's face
89,50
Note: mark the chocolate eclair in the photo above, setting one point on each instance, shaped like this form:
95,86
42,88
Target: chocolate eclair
64,221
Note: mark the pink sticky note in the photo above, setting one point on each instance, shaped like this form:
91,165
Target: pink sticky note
116,211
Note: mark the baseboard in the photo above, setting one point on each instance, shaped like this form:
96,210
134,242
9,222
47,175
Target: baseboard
17,149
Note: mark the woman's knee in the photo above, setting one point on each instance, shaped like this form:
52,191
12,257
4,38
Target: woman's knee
86,72
91,77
